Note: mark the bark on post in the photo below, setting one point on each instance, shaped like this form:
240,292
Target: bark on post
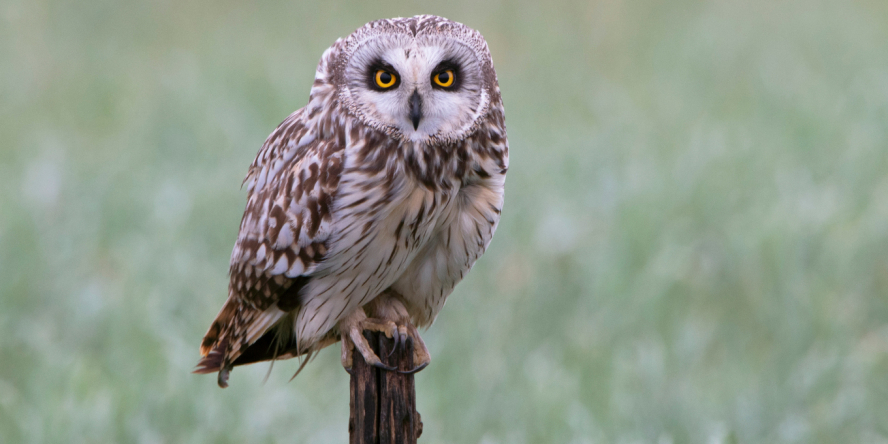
383,403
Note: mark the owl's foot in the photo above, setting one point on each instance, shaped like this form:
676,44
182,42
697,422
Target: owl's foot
391,319
352,331
354,339
390,306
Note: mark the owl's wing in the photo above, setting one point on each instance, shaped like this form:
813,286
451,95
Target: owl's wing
282,239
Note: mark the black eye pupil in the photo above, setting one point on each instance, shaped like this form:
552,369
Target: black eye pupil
385,77
444,77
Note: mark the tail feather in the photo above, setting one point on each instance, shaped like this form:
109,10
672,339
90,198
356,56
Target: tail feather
236,327
212,362
223,319
276,343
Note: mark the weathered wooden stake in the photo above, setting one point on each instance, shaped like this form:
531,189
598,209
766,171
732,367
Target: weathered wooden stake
383,403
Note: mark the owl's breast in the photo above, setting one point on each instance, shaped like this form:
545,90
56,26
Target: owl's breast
463,230
381,221
378,228
403,221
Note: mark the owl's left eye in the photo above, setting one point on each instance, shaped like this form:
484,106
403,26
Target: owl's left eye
444,79
385,79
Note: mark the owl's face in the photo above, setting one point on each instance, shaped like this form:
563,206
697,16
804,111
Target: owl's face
424,88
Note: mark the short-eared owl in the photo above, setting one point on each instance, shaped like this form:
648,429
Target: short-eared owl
366,207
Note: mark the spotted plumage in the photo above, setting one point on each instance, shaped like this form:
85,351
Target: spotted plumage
366,207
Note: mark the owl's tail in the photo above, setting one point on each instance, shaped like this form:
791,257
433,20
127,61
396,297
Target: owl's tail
235,328
223,319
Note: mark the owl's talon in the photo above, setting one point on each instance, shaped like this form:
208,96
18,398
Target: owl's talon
396,336
385,367
416,369
403,335
400,335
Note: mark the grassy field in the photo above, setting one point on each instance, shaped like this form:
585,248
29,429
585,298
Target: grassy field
694,247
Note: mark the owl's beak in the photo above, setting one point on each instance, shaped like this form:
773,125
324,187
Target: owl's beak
415,109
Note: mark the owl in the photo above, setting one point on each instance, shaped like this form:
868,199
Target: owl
367,206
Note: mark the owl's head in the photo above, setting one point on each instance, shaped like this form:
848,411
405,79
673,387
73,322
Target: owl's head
424,78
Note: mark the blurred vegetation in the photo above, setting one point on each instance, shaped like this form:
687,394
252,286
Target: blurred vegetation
694,246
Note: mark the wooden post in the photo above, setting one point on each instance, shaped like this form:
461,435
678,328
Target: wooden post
383,403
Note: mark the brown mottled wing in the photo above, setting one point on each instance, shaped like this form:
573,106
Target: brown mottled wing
282,238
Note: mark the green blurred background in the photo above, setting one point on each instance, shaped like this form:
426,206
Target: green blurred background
694,246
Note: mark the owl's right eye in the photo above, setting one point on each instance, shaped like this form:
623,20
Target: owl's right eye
385,79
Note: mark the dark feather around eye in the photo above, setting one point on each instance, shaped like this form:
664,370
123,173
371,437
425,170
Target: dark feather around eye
457,74
370,76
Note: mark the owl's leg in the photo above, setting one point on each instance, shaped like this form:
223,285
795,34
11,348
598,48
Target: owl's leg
389,306
352,328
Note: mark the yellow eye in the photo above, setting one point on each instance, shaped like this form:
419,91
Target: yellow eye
385,79
444,78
